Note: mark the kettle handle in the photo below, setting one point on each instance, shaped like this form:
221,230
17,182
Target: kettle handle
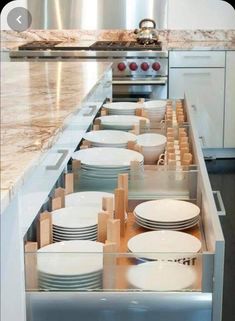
151,20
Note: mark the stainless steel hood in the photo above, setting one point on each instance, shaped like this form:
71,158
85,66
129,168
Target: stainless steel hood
96,14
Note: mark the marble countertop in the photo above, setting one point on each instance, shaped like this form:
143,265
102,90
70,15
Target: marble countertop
37,99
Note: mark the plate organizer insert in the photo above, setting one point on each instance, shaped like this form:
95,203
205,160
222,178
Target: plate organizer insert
117,223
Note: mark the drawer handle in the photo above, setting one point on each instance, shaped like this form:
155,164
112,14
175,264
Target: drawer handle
64,154
194,107
195,57
202,138
92,110
219,203
195,73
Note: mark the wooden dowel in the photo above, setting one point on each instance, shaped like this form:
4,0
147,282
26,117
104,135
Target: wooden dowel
120,212
108,205
60,192
109,265
113,232
123,183
31,273
56,203
103,218
69,183
44,229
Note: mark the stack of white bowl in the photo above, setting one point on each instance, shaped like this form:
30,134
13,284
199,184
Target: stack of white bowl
70,265
122,122
155,109
109,138
122,108
152,146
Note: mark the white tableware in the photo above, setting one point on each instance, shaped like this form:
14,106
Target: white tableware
121,122
152,146
119,108
109,138
167,210
71,258
107,157
86,198
162,276
163,244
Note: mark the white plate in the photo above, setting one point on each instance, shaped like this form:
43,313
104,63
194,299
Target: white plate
167,210
113,137
126,121
120,106
150,244
175,228
86,198
167,223
70,258
75,231
107,157
162,276
151,140
76,217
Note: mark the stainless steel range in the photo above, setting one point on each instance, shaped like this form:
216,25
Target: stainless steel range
139,70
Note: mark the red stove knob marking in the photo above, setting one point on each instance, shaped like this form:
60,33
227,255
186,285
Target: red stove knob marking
121,66
133,66
156,66
145,66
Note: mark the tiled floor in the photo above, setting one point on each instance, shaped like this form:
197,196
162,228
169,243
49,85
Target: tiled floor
222,177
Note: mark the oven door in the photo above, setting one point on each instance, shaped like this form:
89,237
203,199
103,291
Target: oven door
130,89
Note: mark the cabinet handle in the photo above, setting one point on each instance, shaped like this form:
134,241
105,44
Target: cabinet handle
194,107
195,73
195,57
202,138
64,154
92,110
219,203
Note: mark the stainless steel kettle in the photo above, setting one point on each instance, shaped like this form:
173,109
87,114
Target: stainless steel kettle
146,34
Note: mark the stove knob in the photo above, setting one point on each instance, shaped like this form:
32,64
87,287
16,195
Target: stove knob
156,66
145,66
133,66
121,66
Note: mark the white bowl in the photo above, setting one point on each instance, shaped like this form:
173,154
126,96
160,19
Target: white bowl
152,145
155,104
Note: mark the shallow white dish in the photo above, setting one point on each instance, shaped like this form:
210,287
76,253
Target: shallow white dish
86,198
107,157
160,227
161,276
111,137
167,210
120,106
149,245
61,258
76,217
124,122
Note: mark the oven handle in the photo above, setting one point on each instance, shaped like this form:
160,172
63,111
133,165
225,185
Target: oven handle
159,81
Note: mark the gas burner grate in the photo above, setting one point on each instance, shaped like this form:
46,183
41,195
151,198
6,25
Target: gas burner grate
39,45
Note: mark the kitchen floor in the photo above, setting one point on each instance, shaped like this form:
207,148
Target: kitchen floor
222,177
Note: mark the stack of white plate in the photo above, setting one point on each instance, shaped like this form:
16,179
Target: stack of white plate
155,109
164,245
162,276
75,223
105,164
167,214
109,138
152,146
71,265
122,108
122,122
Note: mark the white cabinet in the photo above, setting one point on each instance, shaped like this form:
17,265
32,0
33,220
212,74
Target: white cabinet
204,87
229,122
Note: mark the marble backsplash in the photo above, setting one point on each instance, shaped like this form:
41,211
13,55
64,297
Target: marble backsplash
121,35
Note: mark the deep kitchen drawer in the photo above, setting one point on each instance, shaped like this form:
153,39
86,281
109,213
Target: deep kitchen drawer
197,59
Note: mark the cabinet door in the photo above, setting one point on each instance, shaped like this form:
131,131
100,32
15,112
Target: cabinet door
205,89
229,124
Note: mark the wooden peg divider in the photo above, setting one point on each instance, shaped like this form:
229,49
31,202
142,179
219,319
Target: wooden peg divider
184,145
97,122
76,165
113,231
44,229
119,212
104,112
142,125
109,265
139,112
131,145
84,147
86,143
56,203
103,218
123,183
138,148
96,127
31,273
136,130
108,206
60,192
69,183
141,100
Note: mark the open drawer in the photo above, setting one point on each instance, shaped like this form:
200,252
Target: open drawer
111,292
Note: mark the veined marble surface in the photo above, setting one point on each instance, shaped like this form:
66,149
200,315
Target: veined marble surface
172,39
37,99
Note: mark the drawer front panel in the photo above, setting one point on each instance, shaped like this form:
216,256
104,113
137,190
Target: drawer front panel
197,59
